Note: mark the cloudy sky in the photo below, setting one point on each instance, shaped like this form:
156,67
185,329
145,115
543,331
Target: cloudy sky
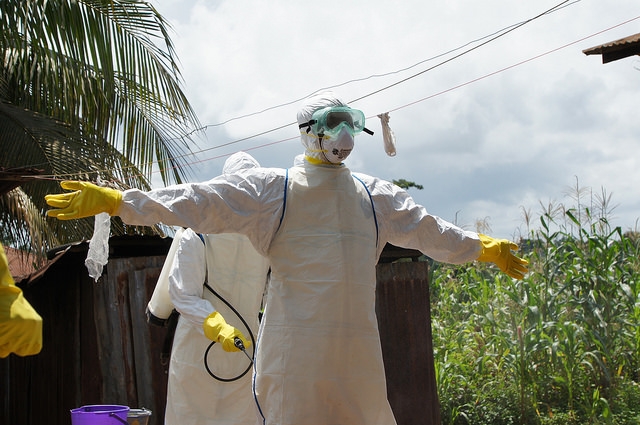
495,108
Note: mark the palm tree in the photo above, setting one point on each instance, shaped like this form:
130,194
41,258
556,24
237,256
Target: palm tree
89,89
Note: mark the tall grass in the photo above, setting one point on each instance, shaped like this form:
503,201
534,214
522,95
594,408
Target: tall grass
561,346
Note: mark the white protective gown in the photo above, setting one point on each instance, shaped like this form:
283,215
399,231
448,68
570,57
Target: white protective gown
319,359
238,273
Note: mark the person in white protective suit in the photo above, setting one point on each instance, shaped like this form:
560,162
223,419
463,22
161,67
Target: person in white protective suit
236,272
322,227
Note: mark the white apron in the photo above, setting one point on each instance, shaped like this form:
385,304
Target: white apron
319,359
238,273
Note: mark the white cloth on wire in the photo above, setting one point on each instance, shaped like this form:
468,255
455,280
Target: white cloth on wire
388,137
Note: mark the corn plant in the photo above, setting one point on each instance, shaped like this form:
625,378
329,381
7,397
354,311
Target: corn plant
562,345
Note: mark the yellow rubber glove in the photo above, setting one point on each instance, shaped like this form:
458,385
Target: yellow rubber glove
499,252
87,200
218,330
20,324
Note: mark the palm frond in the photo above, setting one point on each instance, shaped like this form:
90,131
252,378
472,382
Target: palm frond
60,153
89,90
23,225
97,65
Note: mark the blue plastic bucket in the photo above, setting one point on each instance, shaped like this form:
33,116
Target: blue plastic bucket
100,415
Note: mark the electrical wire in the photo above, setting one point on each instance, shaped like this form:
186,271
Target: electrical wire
463,53
494,36
499,33
427,97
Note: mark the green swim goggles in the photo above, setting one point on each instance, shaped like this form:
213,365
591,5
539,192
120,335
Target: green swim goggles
329,122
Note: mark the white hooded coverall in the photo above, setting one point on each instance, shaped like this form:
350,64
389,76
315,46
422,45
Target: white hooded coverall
319,359
233,268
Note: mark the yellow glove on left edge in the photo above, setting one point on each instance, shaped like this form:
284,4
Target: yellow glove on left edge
218,330
499,252
87,200
20,324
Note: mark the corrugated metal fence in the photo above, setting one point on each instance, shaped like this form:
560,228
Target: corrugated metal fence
99,349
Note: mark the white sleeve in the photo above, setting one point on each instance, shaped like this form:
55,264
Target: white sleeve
406,224
249,202
186,280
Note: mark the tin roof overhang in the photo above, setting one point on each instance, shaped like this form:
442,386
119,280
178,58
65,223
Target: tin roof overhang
617,49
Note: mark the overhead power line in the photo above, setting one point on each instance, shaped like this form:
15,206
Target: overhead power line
495,35
492,37
421,99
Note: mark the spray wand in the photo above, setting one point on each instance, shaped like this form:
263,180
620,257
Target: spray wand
238,343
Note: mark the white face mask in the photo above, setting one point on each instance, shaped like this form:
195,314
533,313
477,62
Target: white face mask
337,149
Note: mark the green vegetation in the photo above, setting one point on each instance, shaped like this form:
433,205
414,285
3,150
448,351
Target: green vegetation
561,346
89,90
405,184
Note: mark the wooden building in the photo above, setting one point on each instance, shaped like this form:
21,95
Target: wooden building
99,349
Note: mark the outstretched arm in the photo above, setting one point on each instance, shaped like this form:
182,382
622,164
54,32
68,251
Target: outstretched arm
407,224
249,202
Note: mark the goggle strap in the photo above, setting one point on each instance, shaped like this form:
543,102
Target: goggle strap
366,130
308,125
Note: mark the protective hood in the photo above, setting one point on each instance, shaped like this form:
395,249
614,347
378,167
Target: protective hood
239,161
